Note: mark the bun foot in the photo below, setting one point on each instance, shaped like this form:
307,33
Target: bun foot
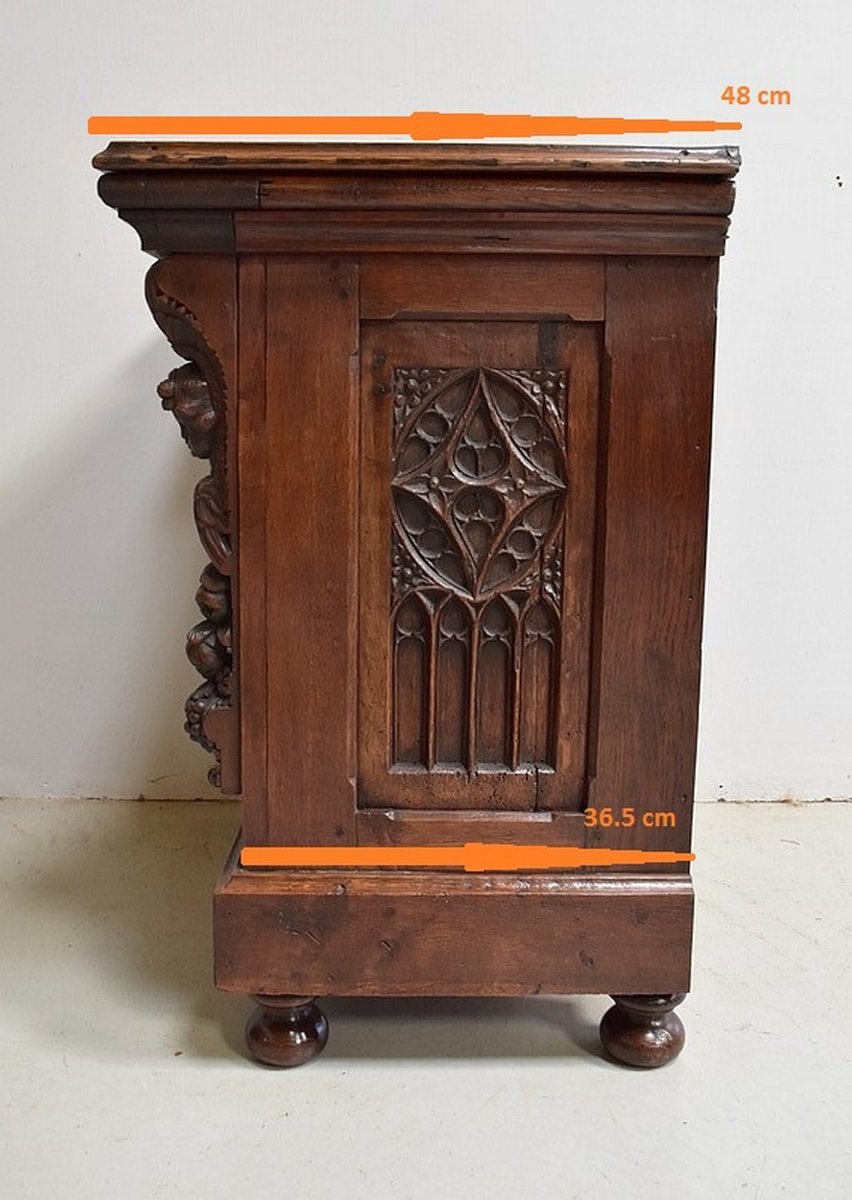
286,1031
643,1031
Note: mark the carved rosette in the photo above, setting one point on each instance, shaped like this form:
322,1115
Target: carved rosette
479,477
195,393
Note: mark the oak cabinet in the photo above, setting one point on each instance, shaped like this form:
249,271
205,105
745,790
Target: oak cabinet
456,403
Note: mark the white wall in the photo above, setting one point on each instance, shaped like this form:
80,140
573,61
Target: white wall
99,556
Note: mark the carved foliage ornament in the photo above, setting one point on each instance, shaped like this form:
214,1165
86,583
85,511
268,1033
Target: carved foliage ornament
195,393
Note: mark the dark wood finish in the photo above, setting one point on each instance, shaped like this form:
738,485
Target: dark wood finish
396,198
311,548
643,1031
499,646
398,933
193,191
286,1031
194,303
428,231
293,157
554,289
660,340
397,187
166,230
251,624
456,403
431,827
589,193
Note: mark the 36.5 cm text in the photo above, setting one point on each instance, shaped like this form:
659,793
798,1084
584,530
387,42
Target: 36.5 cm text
625,818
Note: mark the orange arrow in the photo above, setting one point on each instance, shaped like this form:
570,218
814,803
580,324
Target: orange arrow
472,856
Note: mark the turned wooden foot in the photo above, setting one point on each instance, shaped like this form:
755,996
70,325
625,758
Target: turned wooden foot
643,1031
286,1031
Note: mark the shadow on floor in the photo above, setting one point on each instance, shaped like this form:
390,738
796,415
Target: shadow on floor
124,888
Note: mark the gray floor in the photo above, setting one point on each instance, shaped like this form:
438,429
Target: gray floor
123,1071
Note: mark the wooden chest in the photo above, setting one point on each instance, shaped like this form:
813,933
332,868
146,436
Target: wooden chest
456,402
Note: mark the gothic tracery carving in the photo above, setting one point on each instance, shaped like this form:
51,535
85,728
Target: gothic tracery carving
478,495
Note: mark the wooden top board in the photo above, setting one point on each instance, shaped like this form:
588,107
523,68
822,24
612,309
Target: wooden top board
718,161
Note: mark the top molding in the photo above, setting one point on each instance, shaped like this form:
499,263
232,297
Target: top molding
718,161
341,198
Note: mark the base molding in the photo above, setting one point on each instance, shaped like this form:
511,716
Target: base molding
443,933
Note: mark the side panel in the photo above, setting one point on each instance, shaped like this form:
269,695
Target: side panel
251,441
477,514
660,324
311,530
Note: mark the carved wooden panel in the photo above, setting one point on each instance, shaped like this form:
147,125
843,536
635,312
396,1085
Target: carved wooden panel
196,393
479,482
477,515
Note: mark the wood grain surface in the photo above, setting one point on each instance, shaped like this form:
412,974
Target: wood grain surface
456,401
379,156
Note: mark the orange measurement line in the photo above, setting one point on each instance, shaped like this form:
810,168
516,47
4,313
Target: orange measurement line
472,856
420,126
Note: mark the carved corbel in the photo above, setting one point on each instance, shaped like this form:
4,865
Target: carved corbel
195,392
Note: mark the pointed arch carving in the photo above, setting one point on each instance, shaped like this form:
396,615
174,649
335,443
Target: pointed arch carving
478,487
